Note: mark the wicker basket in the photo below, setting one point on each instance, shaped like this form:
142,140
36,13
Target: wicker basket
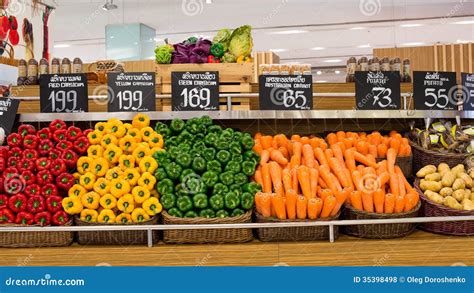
114,237
207,235
432,209
405,164
294,233
422,157
35,239
378,231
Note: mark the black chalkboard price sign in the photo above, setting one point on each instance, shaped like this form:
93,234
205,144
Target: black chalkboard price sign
63,93
377,90
8,110
286,92
467,82
131,92
435,90
195,91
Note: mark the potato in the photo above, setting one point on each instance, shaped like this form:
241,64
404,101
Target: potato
433,177
459,184
431,185
425,171
458,194
467,205
435,197
472,196
467,194
448,179
452,203
471,173
443,168
446,191
458,169
467,179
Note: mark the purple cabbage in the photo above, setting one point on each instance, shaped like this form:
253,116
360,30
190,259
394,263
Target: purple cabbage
186,52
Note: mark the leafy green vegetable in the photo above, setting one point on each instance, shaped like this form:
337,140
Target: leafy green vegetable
241,42
228,58
163,54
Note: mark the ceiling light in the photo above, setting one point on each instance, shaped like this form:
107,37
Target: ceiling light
158,40
357,28
411,25
337,72
109,5
464,22
317,48
208,1
332,60
319,72
413,44
277,50
62,46
364,46
289,32
321,81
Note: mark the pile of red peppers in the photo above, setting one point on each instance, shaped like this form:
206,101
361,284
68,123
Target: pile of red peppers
35,173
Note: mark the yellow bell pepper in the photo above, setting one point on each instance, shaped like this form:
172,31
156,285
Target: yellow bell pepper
102,186
88,215
72,205
100,126
95,151
154,193
154,150
100,166
115,127
114,173
90,200
126,162
94,137
84,165
106,216
123,218
139,215
112,153
76,176
108,139
146,133
119,187
127,143
140,152
126,203
132,176
148,164
140,194
156,140
108,201
87,180
147,180
152,206
135,133
76,191
140,121
127,126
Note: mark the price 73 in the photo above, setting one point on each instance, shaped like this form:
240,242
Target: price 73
196,97
62,101
436,98
382,96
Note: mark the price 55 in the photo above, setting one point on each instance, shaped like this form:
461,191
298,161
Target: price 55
436,98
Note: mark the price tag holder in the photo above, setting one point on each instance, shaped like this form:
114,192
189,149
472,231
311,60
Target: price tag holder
195,91
435,90
131,92
8,110
377,90
63,93
286,92
467,82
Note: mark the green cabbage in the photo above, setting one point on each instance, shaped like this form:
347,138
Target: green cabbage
241,42
228,58
223,37
163,54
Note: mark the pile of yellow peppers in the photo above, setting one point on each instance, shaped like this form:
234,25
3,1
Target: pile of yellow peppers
115,182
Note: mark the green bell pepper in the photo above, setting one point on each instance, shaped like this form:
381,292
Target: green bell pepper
207,213
165,186
181,190
237,158
199,147
252,187
252,156
184,159
184,203
240,178
210,139
237,212
236,189
210,178
162,157
192,184
216,202
162,129
232,167
172,141
184,147
248,168
175,212
220,189
195,126
200,201
177,125
223,156
185,137
209,154
222,214
227,133
199,137
168,201
217,50
173,170
160,174
231,200
173,151
222,144
185,173
226,178
214,165
199,164
214,129
205,120
191,214
235,148
246,201
237,135
247,141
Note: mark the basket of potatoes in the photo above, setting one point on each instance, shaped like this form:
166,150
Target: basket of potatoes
445,192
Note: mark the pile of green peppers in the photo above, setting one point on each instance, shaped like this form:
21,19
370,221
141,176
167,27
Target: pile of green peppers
204,170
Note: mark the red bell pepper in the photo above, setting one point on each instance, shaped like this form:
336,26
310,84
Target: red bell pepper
60,218
43,164
81,145
57,125
14,140
26,165
70,158
65,181
4,151
2,185
17,203
15,152
49,190
30,141
73,133
60,135
26,129
32,190
57,167
212,59
29,177
87,131
3,164
45,146
55,154
64,145
10,172
44,133
13,162
24,218
30,154
3,201
53,203
36,204
43,218
44,177
6,216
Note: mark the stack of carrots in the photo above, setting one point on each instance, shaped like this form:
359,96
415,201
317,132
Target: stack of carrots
311,178
374,143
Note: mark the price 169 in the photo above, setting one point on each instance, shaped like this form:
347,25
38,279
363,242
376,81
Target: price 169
196,97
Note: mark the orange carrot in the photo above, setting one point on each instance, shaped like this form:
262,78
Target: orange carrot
278,157
297,150
266,141
356,200
279,205
275,175
284,151
341,197
391,158
325,173
274,144
281,140
338,153
314,178
362,147
382,179
331,138
329,154
349,160
411,201
381,150
304,140
328,206
257,147
395,144
295,137
313,208
323,146
264,157
389,203
286,178
394,184
401,186
266,204
408,187
363,160
371,159
399,204
338,170
319,154
304,180
368,202
258,177
321,183
379,199
291,204
257,136
382,166
314,142
301,207
308,155
324,192
373,150
358,180
258,202
340,135
267,181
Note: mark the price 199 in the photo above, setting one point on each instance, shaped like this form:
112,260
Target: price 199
196,97
129,100
63,101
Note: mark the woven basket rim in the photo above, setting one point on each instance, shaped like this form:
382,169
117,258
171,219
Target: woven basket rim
439,206
272,219
80,222
383,215
68,223
201,220
401,158
431,152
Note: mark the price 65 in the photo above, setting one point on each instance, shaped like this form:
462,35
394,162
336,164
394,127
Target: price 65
196,97
294,99
63,101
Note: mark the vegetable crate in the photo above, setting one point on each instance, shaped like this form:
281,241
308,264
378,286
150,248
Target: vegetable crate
35,239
